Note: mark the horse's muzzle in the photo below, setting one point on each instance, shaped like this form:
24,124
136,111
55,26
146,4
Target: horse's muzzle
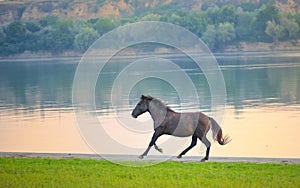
134,116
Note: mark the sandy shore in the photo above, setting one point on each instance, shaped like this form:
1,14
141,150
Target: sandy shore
148,158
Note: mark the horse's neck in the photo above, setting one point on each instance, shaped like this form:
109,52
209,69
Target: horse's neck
158,112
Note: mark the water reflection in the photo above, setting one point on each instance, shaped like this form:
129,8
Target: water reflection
262,83
27,87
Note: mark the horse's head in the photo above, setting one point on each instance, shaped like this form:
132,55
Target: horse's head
142,106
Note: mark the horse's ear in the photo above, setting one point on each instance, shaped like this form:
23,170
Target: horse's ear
150,98
143,97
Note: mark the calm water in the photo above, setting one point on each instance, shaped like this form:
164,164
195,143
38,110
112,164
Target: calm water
262,104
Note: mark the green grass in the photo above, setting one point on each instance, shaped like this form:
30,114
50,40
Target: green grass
37,172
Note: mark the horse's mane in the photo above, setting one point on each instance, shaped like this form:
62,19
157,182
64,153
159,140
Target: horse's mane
156,100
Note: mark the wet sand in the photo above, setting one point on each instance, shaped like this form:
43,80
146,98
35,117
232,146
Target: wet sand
150,158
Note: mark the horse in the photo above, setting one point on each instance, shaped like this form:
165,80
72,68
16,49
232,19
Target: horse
167,121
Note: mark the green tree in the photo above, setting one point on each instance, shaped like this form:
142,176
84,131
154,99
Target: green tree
32,41
103,25
198,23
250,6
48,20
220,36
225,34
227,14
218,15
213,15
274,30
32,27
266,13
59,37
174,19
151,17
244,27
209,36
15,32
15,36
85,38
291,27
193,21
297,18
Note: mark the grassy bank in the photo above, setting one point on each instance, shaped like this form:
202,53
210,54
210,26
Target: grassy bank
37,172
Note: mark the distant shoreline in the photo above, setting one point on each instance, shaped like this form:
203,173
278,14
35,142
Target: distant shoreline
241,48
150,158
77,56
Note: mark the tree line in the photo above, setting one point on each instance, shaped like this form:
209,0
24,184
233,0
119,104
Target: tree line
217,26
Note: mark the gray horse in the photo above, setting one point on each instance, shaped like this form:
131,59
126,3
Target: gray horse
167,121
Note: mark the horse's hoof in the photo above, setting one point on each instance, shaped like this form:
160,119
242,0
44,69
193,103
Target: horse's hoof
204,160
141,157
179,156
160,150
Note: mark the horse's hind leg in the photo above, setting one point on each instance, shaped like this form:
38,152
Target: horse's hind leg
207,144
194,142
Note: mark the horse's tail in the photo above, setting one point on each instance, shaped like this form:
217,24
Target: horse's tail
217,133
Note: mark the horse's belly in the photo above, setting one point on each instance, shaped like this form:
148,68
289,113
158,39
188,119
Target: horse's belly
184,131
182,126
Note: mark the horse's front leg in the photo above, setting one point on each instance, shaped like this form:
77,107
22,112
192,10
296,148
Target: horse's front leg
152,142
